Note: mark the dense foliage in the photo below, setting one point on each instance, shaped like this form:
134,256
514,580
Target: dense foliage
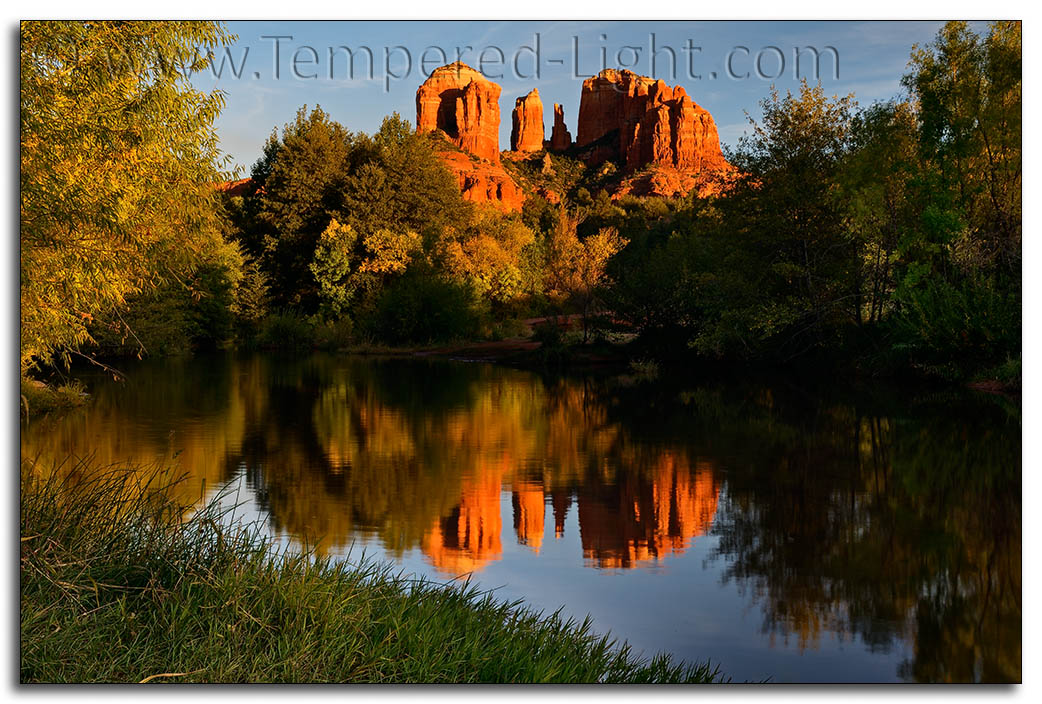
889,234
886,236
119,160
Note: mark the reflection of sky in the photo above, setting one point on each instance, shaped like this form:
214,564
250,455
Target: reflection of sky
873,56
679,604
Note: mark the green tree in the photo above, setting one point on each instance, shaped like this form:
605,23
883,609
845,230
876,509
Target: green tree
398,183
778,270
119,162
334,267
880,188
958,281
968,91
346,265
302,178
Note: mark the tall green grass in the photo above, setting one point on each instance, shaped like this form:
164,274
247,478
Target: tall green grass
118,584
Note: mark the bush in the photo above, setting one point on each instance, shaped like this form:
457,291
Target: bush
422,307
37,397
286,331
551,338
953,330
510,327
334,334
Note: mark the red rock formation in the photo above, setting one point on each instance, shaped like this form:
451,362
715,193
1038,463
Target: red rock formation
481,182
670,181
552,197
640,121
560,137
242,187
526,134
463,104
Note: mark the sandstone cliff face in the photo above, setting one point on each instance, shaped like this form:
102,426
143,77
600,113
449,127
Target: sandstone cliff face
526,134
560,137
481,182
641,121
463,104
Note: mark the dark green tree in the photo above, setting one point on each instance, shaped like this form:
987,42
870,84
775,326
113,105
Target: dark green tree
301,181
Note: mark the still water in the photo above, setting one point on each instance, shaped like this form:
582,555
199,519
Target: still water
783,532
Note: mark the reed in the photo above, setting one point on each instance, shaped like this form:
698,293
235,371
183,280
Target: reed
118,584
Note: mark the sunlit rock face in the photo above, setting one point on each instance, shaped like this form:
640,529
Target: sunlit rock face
482,182
238,188
560,137
526,134
639,122
464,105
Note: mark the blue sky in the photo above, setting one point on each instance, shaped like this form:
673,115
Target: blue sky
872,56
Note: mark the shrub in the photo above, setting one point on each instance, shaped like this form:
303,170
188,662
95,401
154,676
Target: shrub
423,307
286,331
952,329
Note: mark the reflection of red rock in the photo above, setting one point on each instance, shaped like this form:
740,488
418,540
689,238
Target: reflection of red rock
646,518
526,134
643,520
561,502
639,121
529,514
468,538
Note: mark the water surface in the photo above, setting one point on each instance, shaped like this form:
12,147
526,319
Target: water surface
783,532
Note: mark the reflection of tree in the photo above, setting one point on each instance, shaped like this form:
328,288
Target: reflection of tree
194,421
836,517
885,530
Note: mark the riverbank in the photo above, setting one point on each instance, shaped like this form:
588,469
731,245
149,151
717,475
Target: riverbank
36,397
116,587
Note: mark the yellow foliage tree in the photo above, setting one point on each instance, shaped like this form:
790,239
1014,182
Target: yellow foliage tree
488,253
119,161
577,267
344,263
